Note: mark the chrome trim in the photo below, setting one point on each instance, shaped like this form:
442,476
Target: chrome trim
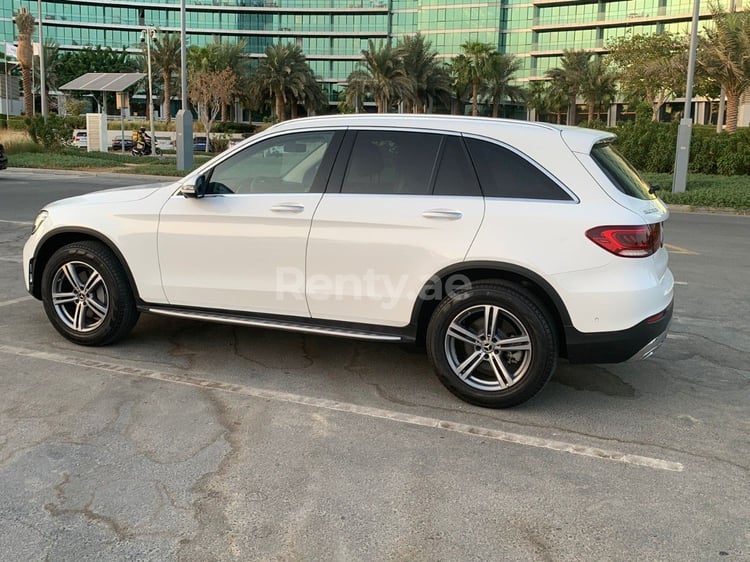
649,349
276,325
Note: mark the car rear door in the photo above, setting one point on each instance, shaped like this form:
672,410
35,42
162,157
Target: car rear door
400,206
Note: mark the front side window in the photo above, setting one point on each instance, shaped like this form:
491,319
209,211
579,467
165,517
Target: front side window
284,164
620,172
392,162
503,173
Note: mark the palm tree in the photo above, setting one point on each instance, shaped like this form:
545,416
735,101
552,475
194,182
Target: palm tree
475,66
311,96
218,56
537,98
460,83
428,77
282,74
25,24
383,75
725,57
570,76
500,71
165,60
599,86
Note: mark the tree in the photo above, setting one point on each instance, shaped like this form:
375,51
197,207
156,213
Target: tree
649,67
428,77
460,83
474,65
382,74
165,60
208,91
724,55
51,66
501,69
218,56
599,86
25,25
536,96
570,76
282,75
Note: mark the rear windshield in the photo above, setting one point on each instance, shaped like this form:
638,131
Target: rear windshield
620,172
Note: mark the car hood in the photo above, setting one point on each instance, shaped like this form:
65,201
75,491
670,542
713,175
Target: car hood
116,195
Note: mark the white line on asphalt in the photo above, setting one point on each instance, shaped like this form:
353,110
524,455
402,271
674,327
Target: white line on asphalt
680,282
16,301
676,337
464,429
19,223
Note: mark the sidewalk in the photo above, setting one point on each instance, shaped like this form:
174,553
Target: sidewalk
51,171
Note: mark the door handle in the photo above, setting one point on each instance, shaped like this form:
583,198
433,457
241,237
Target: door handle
442,214
288,208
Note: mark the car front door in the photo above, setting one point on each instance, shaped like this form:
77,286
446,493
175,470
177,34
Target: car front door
229,249
403,206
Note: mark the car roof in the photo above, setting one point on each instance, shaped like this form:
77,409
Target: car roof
578,139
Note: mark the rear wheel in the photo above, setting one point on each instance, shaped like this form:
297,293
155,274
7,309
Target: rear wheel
86,294
492,344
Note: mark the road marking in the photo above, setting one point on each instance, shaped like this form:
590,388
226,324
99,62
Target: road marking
677,250
19,223
676,337
16,301
680,282
336,406
14,260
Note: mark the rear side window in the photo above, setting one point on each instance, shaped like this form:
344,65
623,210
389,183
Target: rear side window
620,172
503,173
392,162
455,174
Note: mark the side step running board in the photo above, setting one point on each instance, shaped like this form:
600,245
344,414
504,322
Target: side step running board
275,324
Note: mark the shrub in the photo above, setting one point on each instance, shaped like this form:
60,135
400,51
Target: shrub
53,134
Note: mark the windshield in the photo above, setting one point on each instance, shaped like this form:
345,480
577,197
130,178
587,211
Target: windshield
620,172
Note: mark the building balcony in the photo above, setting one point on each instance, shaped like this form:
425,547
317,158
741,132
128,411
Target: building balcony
617,20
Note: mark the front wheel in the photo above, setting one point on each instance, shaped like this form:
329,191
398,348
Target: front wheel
86,294
492,344
158,151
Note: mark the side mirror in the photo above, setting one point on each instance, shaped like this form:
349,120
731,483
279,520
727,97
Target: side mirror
195,190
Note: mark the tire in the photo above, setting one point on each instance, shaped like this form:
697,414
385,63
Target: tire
86,294
494,368
158,152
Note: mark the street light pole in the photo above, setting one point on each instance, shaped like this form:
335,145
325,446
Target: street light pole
684,131
146,35
43,84
184,119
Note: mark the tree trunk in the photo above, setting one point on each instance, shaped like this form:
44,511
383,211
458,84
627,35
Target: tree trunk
25,58
224,112
474,96
294,109
733,100
571,117
280,109
167,98
591,112
495,107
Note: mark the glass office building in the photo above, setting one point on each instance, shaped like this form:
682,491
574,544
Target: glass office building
332,33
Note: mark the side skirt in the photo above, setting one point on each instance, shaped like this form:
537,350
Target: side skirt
282,324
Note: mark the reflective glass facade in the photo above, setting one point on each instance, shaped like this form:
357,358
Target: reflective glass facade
332,33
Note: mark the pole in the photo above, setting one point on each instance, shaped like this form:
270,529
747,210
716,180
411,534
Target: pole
149,31
184,119
684,131
43,78
183,57
7,96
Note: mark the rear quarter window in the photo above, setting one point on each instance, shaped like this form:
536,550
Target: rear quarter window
620,172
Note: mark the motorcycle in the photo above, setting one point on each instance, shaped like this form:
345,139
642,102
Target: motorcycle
144,149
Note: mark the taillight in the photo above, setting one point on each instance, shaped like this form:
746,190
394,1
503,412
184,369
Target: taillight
628,241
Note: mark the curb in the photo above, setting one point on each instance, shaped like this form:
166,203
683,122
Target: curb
57,172
708,210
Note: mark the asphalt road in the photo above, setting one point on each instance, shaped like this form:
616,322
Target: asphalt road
191,441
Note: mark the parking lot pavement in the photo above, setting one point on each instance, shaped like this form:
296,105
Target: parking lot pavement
193,441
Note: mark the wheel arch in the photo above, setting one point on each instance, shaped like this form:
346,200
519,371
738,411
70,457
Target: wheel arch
56,239
481,271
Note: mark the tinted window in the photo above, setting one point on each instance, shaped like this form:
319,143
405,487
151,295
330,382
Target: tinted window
620,172
285,164
503,173
455,174
391,162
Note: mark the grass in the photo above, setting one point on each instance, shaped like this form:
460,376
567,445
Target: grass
705,190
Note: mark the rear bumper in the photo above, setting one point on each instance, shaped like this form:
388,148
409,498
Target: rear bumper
638,342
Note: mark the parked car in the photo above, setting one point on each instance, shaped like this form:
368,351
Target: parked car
501,245
199,144
80,139
117,144
3,158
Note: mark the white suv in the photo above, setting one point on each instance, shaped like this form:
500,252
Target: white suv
501,245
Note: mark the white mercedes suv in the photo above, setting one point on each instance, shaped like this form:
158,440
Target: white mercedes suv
501,245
